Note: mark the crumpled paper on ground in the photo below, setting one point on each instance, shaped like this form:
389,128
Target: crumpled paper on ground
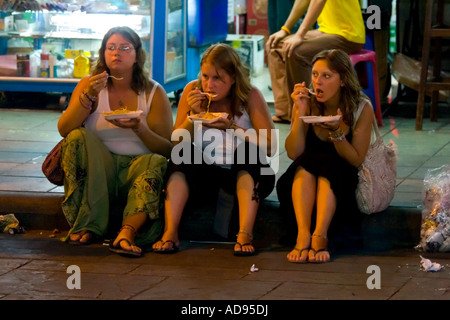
427,265
10,224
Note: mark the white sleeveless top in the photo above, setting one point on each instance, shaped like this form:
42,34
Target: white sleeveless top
119,140
226,145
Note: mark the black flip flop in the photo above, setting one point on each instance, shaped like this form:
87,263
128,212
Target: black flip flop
119,250
244,253
166,251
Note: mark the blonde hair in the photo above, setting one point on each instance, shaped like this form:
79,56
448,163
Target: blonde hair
223,56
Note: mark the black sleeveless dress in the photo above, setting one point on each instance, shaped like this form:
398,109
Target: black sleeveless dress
321,159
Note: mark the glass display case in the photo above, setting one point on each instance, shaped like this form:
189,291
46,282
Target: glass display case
38,46
170,42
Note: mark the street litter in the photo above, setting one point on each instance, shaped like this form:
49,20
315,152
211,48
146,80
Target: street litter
427,265
10,224
435,228
253,268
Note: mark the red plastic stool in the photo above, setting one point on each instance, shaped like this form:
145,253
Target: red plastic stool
370,56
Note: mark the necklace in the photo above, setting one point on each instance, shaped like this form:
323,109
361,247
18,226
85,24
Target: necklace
115,93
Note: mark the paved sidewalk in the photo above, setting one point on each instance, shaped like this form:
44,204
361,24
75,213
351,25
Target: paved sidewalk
35,266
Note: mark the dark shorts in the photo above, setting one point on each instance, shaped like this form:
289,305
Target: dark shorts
204,180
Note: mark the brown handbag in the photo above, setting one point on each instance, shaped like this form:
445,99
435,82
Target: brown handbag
51,167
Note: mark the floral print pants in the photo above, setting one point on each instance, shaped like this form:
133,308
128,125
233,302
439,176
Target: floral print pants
95,179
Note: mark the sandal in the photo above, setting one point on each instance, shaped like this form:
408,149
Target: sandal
118,248
241,253
172,249
323,247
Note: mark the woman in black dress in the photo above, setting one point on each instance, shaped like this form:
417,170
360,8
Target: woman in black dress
326,154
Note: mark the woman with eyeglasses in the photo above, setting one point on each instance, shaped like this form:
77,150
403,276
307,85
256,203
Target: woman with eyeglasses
116,161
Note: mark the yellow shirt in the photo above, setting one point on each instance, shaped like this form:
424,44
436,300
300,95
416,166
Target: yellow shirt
344,18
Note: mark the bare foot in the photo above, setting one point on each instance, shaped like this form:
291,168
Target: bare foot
125,239
300,253
169,245
82,237
244,244
319,249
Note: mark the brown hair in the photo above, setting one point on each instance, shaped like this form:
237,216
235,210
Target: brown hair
223,56
339,61
140,80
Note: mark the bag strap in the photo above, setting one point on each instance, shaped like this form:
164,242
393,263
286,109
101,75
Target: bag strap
358,112
375,127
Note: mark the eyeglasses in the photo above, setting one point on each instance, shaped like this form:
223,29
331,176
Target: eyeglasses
122,48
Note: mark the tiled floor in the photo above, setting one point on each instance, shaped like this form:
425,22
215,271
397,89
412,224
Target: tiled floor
35,265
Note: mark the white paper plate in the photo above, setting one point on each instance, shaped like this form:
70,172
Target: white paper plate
127,115
319,119
198,117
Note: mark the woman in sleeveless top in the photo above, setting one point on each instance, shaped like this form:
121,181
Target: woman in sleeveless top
110,162
326,155
213,160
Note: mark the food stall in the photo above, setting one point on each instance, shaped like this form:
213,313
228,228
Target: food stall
40,41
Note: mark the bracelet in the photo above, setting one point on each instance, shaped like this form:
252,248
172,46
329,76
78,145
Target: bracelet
90,98
338,139
337,135
286,29
85,104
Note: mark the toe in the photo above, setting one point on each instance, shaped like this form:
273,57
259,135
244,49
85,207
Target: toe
75,237
86,237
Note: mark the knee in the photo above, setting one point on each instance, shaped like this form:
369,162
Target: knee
303,175
75,135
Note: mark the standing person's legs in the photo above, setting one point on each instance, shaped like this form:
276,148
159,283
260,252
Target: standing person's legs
277,71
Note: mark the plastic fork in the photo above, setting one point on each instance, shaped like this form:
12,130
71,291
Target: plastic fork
115,77
209,94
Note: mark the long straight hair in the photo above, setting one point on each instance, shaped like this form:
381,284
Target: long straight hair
223,56
351,92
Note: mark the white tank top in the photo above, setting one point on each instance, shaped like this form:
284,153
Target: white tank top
227,144
119,140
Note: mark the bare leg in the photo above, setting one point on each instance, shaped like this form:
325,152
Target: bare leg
248,208
303,198
326,206
177,194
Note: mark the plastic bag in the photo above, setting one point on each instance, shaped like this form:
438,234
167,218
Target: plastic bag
435,228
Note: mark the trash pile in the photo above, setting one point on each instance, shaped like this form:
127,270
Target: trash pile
435,228
10,224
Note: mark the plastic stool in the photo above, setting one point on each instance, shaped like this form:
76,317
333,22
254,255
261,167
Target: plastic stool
370,56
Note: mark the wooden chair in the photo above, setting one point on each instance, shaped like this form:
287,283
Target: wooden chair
436,32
